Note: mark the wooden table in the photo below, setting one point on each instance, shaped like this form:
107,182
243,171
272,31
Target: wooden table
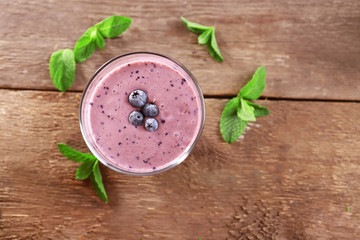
291,176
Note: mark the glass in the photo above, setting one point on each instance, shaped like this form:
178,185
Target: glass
107,68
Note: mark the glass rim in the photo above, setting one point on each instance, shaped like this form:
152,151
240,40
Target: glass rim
174,162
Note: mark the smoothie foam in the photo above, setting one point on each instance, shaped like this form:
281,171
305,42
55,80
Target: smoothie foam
134,149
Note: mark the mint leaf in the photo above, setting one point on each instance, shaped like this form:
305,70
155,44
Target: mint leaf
246,112
98,191
207,36
86,45
75,155
62,69
96,181
259,111
231,126
98,39
84,170
62,62
204,37
194,27
113,26
213,48
254,88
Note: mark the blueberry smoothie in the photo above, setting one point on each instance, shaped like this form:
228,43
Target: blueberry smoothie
142,113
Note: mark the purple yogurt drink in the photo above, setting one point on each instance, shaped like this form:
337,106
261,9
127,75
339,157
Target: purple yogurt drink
105,109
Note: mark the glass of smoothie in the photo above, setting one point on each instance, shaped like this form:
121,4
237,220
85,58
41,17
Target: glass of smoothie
142,113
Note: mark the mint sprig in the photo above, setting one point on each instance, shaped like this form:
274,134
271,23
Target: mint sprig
62,62
94,37
207,36
88,169
239,110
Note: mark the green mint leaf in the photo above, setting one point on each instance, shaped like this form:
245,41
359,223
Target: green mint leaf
254,88
246,112
194,27
348,209
98,39
62,69
98,191
96,181
259,111
75,155
86,45
113,26
84,170
231,126
213,48
204,37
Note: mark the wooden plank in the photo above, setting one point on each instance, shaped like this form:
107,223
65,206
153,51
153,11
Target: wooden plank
310,48
291,176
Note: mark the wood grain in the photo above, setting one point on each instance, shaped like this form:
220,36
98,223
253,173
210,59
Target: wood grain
291,176
311,49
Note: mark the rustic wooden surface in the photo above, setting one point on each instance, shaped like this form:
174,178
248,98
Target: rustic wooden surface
313,43
291,176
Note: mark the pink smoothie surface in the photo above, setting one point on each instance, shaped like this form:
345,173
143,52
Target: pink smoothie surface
134,149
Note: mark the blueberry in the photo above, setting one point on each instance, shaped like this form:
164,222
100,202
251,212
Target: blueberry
136,118
151,124
150,110
137,98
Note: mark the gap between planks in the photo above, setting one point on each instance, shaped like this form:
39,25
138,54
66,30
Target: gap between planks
224,96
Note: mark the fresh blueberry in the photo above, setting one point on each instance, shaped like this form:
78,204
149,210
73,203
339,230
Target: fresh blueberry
136,118
151,124
150,110
137,98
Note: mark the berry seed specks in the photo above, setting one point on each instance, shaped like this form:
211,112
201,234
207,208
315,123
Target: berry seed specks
141,114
